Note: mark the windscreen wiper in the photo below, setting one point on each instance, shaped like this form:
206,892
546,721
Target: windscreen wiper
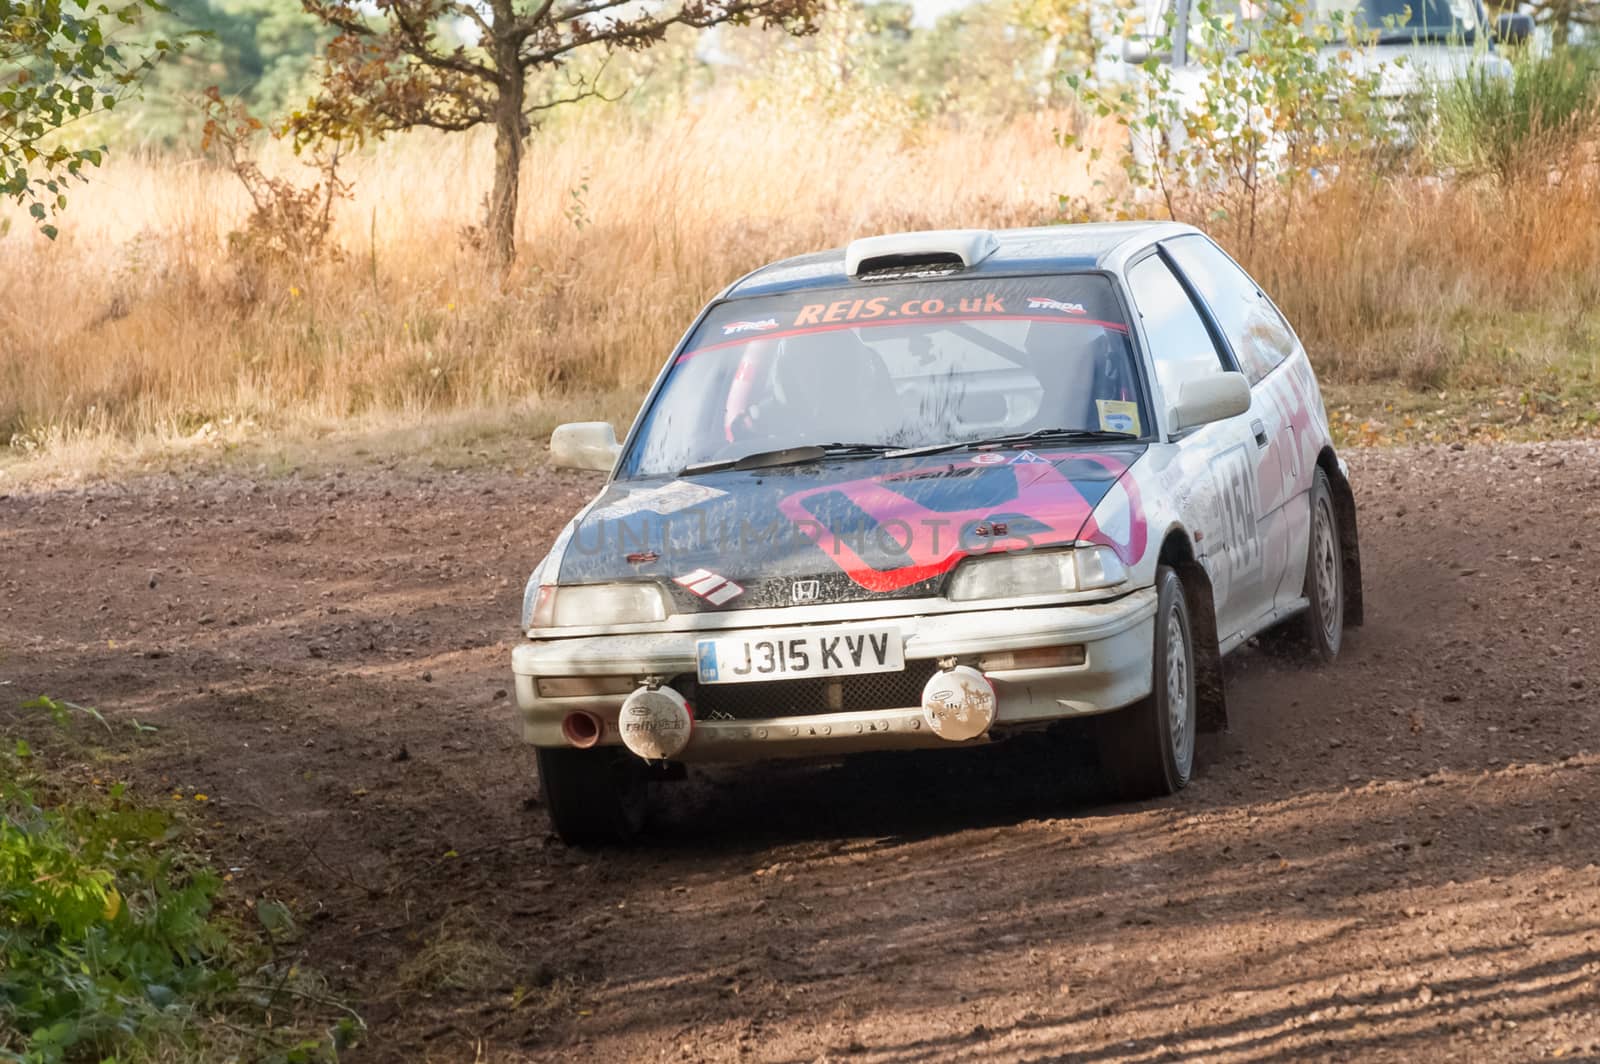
1014,438
813,452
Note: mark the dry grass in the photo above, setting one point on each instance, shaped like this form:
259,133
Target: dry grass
136,323
137,333
1437,284
463,953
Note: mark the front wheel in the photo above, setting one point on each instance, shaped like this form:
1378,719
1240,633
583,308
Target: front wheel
1147,749
595,797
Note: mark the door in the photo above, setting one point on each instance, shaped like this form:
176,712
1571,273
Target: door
1183,346
1266,350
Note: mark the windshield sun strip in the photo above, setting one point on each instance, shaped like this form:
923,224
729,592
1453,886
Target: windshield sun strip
812,330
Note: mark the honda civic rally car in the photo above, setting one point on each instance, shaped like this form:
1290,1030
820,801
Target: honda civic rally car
928,491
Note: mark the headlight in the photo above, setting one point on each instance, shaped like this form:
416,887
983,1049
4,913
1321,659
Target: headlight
1037,572
596,604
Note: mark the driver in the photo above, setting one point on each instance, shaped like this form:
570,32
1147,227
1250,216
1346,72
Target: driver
826,387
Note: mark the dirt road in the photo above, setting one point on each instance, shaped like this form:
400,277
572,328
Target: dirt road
1391,859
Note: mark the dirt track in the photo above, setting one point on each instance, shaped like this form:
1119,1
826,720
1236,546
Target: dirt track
1392,859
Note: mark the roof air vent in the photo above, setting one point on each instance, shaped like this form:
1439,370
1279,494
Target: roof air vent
899,253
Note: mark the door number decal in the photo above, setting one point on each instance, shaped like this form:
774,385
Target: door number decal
1236,476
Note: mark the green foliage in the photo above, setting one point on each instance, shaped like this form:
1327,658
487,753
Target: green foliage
59,64
110,947
61,712
105,931
1073,32
1270,107
1517,126
262,53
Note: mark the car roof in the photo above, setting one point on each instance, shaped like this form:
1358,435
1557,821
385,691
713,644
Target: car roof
1043,249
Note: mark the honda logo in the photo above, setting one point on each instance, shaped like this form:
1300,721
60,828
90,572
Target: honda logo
803,591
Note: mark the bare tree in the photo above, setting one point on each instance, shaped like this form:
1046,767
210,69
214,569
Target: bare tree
456,64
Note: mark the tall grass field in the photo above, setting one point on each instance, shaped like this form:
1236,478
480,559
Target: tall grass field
142,322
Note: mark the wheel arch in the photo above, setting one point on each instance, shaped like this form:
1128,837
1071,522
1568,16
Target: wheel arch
1177,553
1344,509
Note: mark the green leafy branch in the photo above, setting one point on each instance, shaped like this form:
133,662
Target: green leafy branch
59,64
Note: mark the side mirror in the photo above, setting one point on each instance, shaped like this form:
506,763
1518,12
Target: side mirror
584,445
1513,28
1214,397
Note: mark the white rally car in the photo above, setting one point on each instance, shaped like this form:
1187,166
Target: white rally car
929,490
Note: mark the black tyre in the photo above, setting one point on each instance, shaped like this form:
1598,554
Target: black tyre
595,797
1322,625
1315,634
1147,749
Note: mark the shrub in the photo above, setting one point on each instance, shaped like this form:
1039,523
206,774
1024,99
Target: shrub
1520,126
288,223
1266,121
105,930
110,948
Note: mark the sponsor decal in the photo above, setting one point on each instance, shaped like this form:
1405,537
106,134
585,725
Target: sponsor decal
715,589
1041,303
1119,415
883,307
988,458
734,328
803,591
1028,458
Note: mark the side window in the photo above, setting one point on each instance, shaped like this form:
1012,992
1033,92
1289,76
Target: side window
1180,345
1259,336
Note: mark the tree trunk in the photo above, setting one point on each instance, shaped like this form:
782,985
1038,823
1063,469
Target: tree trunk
510,134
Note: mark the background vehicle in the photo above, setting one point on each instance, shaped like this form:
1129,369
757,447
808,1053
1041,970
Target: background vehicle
1422,43
1117,434
1415,48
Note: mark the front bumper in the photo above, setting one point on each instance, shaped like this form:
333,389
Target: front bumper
1116,636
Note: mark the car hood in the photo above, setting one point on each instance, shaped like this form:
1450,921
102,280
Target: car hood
843,530
1410,69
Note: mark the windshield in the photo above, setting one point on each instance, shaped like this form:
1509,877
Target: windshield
1399,20
1390,20
894,365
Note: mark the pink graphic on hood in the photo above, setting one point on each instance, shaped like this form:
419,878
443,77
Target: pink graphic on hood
1118,521
933,541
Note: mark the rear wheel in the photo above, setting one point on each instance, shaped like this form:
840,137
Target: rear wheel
596,796
1147,749
1316,633
1324,588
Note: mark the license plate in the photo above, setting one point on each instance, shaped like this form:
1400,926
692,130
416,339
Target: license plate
796,653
